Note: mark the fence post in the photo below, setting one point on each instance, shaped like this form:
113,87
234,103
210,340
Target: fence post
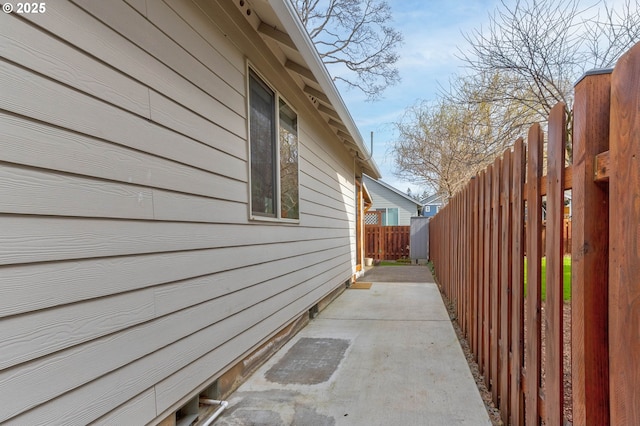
624,243
589,253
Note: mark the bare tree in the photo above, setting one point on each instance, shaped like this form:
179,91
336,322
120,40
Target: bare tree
354,35
437,147
417,152
491,126
443,144
523,64
611,33
544,46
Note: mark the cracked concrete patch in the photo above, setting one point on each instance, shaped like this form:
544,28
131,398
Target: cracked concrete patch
271,408
305,416
309,362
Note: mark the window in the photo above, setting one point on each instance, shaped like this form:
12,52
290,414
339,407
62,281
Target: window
392,216
274,153
389,216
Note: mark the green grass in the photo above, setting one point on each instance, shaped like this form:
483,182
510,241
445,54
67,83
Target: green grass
399,262
566,281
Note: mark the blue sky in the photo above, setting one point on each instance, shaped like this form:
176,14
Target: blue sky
432,33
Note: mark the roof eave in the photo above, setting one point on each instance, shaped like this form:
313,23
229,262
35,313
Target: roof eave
289,19
396,190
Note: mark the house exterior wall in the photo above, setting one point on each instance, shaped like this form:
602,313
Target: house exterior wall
432,205
431,210
131,275
385,198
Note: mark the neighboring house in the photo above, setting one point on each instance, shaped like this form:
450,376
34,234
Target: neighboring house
432,205
394,207
179,185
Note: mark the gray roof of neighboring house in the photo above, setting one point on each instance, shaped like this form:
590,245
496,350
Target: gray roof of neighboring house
434,199
397,191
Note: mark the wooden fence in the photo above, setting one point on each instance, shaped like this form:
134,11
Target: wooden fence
566,236
387,242
478,249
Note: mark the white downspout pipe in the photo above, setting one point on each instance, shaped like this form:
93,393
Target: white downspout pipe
214,416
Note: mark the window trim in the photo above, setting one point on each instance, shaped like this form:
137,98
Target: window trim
250,69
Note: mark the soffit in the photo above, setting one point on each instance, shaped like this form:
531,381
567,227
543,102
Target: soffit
322,94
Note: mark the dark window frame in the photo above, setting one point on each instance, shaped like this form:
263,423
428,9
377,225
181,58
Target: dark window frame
274,162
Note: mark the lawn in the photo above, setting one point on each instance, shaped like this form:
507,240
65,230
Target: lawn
566,274
399,262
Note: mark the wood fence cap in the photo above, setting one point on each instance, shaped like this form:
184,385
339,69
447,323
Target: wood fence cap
596,71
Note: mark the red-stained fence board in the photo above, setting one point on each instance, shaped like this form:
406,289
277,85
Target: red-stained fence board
534,254
554,385
624,241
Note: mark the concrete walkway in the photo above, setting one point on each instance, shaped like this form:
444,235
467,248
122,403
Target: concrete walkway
387,355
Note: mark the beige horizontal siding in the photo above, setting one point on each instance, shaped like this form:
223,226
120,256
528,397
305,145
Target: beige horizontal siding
143,33
30,287
157,348
130,271
204,42
44,332
137,411
33,239
23,93
37,50
43,146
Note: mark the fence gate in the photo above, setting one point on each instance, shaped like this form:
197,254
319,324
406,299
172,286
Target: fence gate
386,242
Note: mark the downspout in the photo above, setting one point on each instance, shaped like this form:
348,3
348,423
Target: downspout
215,414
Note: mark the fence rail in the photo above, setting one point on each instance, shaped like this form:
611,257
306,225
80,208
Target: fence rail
387,242
479,240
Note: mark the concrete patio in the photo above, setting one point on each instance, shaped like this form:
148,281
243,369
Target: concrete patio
387,355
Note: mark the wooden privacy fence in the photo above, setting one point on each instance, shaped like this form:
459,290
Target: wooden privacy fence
387,242
478,250
566,236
